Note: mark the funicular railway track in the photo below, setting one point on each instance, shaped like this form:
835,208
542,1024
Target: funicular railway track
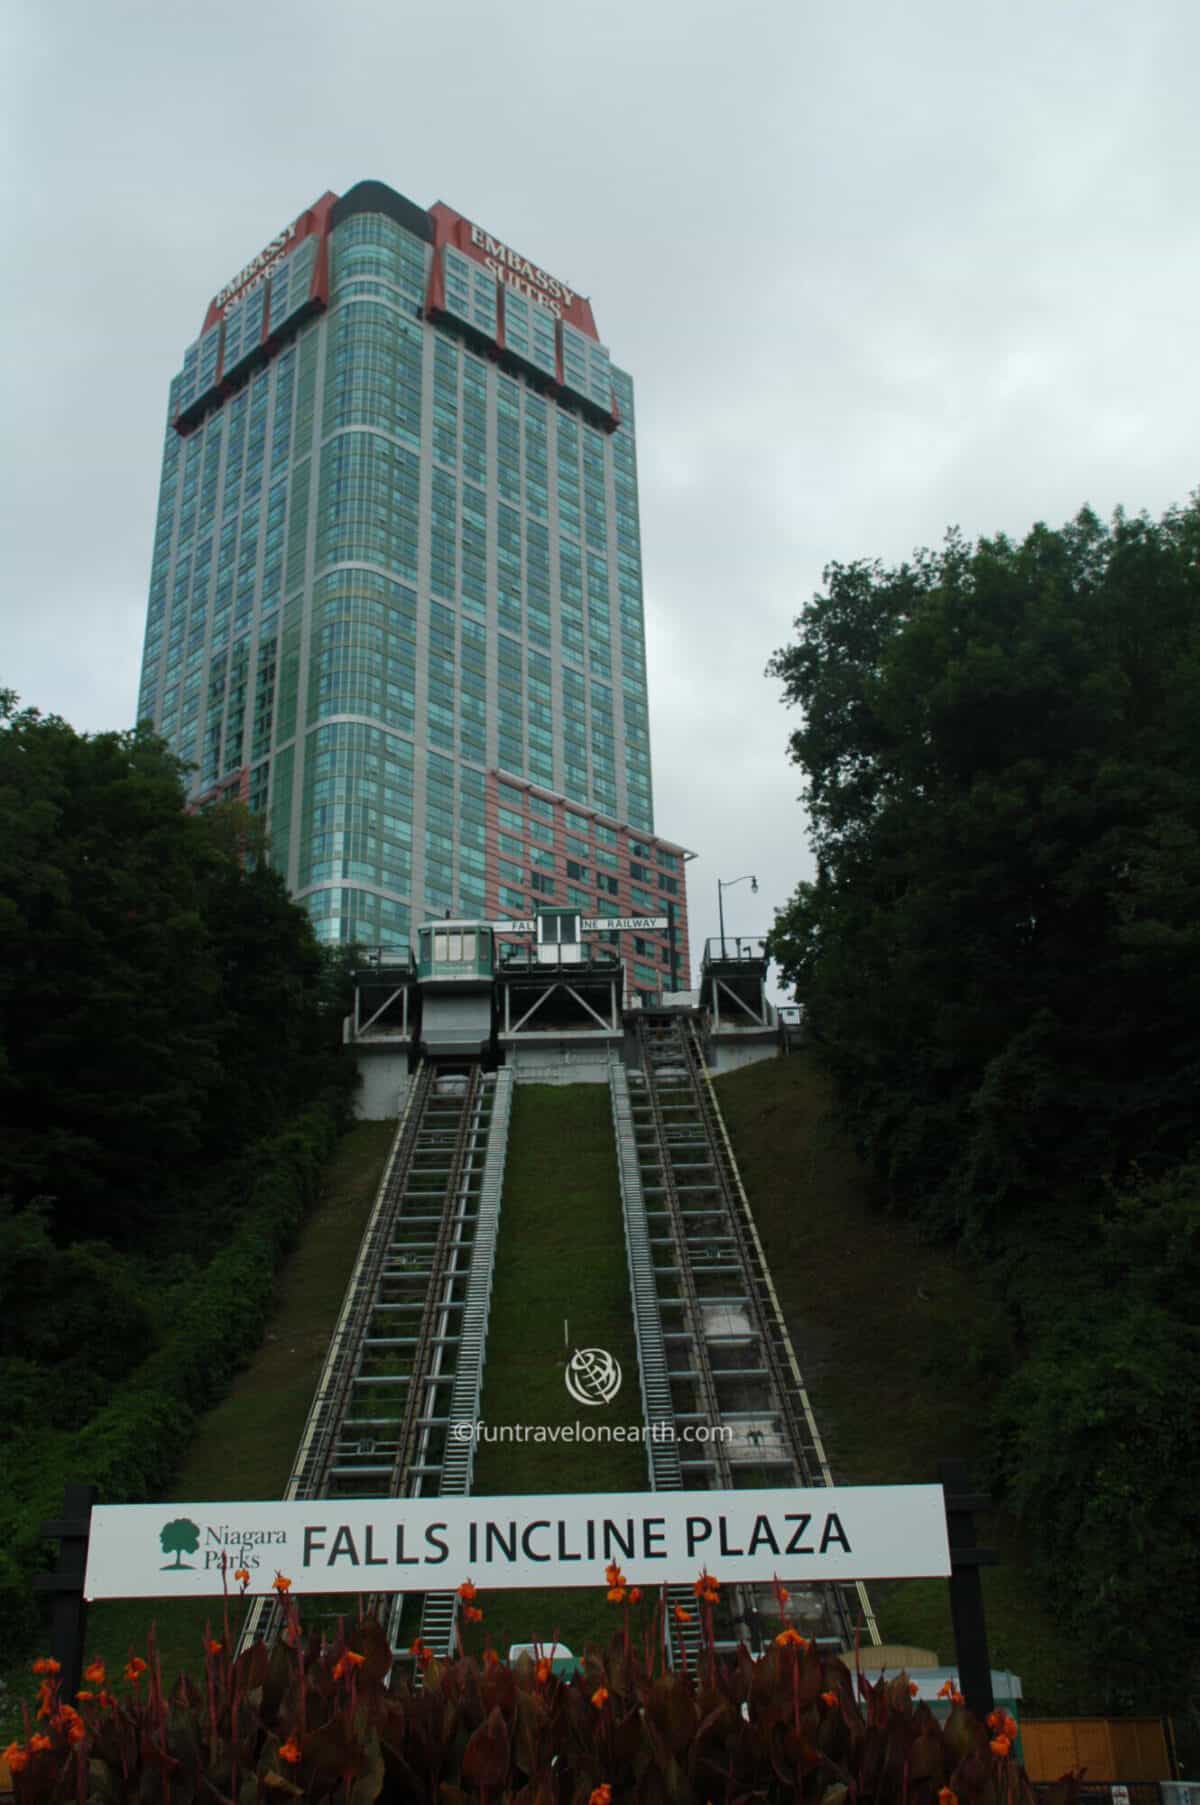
713,1346
406,1356
405,1364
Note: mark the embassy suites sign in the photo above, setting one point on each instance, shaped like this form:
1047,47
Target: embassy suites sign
511,268
432,1544
522,275
258,268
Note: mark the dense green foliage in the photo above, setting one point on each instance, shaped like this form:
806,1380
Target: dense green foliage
1000,962
170,1081
159,995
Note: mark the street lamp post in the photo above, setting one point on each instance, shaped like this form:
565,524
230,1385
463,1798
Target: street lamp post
727,883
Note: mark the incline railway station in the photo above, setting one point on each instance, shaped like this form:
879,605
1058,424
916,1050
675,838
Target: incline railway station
546,994
442,1036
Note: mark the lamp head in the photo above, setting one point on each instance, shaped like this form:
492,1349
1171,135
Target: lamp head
754,886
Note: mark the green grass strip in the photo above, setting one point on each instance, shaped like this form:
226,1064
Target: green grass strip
899,1342
561,1256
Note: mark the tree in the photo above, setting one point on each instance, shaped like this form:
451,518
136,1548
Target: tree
1000,952
999,956
179,1537
160,995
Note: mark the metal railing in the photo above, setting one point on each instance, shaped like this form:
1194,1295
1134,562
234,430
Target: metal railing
735,949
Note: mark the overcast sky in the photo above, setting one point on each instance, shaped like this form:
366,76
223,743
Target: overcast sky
875,269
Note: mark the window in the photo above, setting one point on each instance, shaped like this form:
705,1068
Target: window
542,884
577,871
453,949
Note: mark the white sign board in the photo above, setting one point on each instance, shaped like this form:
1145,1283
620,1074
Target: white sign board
433,1544
591,924
622,924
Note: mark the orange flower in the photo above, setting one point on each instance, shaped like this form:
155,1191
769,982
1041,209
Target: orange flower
242,1577
616,1595
420,1654
946,1690
830,1698
1000,1745
38,1745
46,1692
213,1647
84,1695
790,1638
682,1616
15,1758
994,1721
600,1697
289,1751
135,1667
94,1675
913,1689
600,1795
613,1574
1010,1727
543,1670
281,1584
471,1614
706,1588
46,1664
467,1591
635,1595
947,1796
490,1658
348,1662
784,1595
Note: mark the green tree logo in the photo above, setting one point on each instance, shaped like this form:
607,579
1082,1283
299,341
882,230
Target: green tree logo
179,1537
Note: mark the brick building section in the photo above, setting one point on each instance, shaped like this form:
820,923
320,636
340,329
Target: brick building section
543,851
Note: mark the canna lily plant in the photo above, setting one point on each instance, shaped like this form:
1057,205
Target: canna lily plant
341,1720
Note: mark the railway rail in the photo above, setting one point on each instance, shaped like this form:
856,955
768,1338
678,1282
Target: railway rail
713,1347
406,1356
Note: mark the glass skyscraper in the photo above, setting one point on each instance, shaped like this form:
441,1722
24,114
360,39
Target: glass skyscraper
397,579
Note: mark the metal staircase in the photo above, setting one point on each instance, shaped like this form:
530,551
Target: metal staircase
713,1346
410,1332
440,1609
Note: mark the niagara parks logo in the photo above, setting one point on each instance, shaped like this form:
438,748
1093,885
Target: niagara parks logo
179,1537
593,1376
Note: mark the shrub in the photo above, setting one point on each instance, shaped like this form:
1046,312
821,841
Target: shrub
132,1447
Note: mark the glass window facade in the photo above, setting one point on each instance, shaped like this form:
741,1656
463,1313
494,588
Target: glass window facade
386,565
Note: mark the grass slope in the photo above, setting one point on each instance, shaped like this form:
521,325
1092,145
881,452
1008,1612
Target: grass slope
561,1256
898,1342
244,1447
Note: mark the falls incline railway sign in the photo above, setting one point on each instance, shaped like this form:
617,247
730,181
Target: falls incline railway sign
432,1544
